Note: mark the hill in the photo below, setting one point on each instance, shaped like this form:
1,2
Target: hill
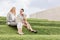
51,14
47,30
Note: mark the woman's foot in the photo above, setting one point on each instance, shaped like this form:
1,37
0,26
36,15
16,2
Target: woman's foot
20,33
34,31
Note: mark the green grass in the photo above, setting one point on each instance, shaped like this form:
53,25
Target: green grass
30,37
47,30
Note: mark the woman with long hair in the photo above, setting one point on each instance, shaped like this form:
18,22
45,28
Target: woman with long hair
11,17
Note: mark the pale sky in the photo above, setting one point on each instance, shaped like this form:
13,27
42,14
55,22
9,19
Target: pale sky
30,6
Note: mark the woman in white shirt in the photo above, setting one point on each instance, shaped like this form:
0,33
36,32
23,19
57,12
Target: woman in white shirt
21,20
11,17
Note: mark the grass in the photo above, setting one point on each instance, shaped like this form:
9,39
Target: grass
47,30
30,37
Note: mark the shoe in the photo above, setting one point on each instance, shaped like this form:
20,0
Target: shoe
20,33
34,31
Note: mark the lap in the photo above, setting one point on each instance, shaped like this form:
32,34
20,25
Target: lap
12,23
19,25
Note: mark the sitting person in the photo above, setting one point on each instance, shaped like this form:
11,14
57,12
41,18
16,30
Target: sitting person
21,20
11,17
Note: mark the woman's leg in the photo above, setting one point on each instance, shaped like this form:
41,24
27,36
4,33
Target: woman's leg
28,26
19,27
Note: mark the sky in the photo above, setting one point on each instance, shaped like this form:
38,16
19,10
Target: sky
30,6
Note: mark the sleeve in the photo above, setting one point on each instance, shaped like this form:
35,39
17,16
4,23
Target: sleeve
8,17
24,18
25,15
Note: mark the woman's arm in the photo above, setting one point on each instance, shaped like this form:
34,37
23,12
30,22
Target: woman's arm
24,18
9,18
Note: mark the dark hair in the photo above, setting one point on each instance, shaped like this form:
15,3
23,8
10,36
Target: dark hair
22,9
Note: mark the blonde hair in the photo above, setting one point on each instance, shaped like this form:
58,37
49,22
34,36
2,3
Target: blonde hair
13,10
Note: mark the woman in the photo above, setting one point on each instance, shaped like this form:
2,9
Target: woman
21,20
11,17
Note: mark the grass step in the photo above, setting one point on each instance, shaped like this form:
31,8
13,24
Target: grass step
47,30
29,37
4,29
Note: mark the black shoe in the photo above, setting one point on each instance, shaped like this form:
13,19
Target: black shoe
34,31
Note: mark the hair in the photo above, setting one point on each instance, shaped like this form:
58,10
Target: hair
22,9
13,10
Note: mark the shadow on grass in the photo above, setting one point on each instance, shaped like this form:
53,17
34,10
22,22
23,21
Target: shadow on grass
14,27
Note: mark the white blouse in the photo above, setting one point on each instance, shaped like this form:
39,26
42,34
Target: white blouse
13,16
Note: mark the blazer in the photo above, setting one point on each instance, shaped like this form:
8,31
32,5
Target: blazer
10,18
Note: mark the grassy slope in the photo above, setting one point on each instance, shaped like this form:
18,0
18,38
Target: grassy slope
47,30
